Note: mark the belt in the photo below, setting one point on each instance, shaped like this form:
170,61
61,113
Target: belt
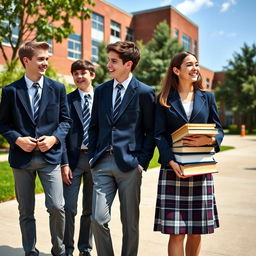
108,152
84,150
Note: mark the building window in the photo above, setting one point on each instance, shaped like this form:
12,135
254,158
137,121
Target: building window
74,46
176,33
97,22
115,32
14,30
195,47
186,42
97,34
95,50
129,34
207,83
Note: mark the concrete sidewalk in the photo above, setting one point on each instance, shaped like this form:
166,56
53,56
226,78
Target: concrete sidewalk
235,194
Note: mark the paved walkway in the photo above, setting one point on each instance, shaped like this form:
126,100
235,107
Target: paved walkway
235,193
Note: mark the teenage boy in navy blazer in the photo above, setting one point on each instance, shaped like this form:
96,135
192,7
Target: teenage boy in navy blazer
34,118
75,164
121,145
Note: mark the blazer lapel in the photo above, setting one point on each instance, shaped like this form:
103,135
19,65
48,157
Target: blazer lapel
199,103
128,96
175,103
77,104
108,94
22,93
46,94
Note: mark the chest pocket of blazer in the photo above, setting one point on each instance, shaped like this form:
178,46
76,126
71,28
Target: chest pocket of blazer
52,112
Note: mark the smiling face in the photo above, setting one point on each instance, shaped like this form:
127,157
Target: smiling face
83,79
37,65
189,70
117,69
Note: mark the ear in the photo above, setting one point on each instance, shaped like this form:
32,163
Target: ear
25,60
92,75
176,71
129,64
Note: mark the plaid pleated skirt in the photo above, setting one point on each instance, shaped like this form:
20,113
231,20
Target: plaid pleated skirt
185,206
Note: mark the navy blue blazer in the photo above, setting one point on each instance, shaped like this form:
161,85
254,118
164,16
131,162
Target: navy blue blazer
170,119
132,135
74,138
16,119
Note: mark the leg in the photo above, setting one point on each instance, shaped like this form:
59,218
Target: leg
175,245
193,245
129,195
71,196
25,194
50,176
85,233
104,190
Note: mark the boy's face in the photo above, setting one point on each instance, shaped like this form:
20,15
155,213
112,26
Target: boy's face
117,69
83,78
36,67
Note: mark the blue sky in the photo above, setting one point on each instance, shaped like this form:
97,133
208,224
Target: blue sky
224,25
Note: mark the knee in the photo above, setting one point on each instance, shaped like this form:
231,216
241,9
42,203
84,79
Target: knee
177,239
56,208
194,237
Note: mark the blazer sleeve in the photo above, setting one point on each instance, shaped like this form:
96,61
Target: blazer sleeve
64,118
148,114
162,136
6,127
214,118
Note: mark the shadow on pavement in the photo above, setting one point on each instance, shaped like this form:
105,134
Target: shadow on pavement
9,251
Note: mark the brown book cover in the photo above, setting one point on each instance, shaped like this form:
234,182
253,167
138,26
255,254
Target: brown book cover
198,169
192,129
193,150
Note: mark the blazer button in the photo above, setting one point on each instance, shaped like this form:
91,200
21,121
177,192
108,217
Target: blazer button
113,128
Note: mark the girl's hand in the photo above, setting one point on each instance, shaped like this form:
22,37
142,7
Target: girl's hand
198,140
176,169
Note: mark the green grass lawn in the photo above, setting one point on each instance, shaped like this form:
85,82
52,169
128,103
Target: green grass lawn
7,190
7,181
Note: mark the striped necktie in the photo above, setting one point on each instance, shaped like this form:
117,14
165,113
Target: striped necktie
86,118
117,101
36,101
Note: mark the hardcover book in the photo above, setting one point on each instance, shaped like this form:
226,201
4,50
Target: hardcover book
198,169
193,150
194,158
192,129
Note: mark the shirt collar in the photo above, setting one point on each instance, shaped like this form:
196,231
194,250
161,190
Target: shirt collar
82,93
29,82
125,83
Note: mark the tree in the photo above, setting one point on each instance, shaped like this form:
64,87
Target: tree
35,19
238,91
101,69
156,55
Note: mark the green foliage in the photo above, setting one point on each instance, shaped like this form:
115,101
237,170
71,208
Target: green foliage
156,55
49,19
7,190
154,161
101,70
238,91
234,129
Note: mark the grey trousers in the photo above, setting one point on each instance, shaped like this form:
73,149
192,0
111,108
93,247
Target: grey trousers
107,180
71,192
50,177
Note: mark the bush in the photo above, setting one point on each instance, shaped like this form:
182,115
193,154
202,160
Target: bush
234,129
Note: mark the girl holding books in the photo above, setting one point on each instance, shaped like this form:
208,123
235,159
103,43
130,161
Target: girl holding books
185,206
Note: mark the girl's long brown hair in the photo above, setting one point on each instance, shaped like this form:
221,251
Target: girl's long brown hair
170,82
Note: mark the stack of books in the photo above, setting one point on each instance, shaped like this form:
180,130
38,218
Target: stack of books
194,160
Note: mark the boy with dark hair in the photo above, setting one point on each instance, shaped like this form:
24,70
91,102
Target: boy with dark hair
34,119
75,164
121,145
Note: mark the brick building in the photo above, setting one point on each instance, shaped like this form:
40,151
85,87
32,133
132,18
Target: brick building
109,23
